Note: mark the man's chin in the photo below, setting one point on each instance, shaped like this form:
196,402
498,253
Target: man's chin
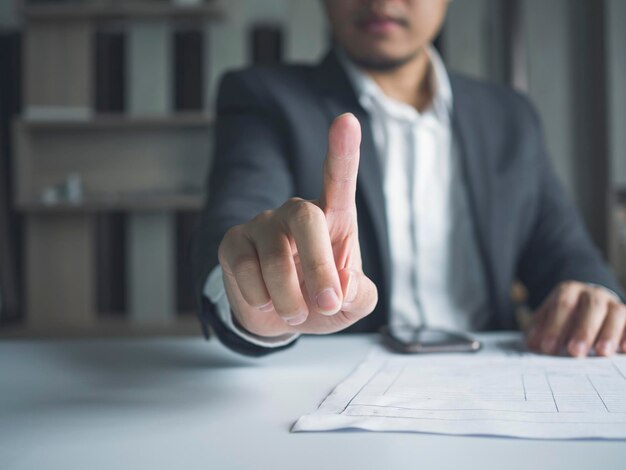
382,62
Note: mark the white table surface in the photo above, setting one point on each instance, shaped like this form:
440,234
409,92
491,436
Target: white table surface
186,403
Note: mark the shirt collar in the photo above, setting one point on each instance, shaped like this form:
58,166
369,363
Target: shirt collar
368,91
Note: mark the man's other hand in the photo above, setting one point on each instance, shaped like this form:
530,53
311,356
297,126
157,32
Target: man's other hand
576,318
298,268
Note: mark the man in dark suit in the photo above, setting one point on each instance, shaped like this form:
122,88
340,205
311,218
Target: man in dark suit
435,194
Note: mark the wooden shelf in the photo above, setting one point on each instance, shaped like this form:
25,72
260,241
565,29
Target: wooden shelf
122,202
69,11
149,163
126,163
119,121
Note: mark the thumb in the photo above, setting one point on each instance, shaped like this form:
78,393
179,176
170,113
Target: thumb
360,294
342,164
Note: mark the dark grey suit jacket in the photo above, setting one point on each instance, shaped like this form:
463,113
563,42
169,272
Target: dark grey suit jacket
271,139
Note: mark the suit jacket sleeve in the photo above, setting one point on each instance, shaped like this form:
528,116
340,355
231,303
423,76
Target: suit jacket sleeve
558,247
250,173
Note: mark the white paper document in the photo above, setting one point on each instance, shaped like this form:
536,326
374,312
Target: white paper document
500,391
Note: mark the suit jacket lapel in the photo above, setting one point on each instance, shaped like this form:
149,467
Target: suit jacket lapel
339,97
478,177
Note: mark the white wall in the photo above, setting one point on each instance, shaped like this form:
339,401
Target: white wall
547,34
305,33
616,55
466,37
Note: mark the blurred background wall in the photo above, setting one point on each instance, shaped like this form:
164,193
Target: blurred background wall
105,134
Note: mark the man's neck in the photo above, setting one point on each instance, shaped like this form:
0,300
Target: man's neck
409,83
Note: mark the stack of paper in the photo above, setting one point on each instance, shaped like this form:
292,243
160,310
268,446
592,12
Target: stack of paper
499,391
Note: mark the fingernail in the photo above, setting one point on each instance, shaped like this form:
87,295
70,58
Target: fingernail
295,320
605,347
327,301
624,346
268,307
351,289
548,345
578,348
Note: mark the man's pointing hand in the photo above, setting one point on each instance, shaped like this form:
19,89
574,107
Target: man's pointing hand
298,268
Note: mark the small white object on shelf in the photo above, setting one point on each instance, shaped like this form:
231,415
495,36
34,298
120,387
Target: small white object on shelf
50,195
73,188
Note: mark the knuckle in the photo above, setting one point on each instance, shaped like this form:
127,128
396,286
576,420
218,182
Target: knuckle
565,299
597,302
233,233
276,264
289,205
221,252
593,299
594,292
245,265
263,217
598,291
564,287
292,201
618,311
305,213
226,244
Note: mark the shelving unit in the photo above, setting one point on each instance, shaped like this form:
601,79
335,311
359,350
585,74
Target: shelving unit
148,162
125,163
142,156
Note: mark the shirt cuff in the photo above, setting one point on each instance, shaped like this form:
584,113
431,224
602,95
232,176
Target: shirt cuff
215,291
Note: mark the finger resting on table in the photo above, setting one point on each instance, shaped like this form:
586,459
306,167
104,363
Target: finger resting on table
612,331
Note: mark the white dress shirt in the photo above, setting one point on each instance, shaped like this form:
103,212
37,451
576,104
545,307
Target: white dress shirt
437,274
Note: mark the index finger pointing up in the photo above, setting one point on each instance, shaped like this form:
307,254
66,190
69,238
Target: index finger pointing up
342,163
